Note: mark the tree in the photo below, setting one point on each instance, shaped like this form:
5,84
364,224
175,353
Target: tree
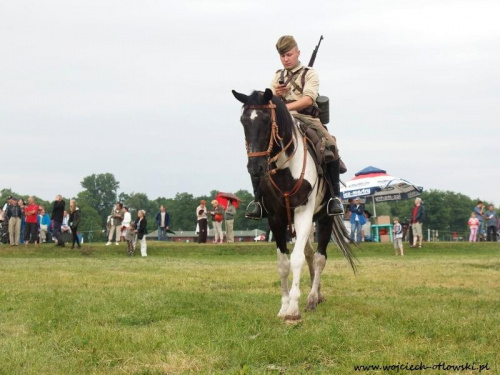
182,210
101,193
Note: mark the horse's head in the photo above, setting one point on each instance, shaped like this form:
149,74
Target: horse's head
261,131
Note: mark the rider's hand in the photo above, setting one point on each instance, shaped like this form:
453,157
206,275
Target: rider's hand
281,90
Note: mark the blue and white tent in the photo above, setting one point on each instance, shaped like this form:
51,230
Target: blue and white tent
381,187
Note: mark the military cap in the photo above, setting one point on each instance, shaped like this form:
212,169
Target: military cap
285,44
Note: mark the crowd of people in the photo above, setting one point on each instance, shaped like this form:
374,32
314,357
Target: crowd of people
483,224
217,214
29,223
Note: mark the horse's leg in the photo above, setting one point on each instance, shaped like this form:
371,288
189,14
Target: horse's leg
303,222
309,253
279,233
324,233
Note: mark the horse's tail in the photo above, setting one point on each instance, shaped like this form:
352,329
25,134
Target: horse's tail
340,234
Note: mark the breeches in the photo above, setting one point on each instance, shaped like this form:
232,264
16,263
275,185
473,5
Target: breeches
331,149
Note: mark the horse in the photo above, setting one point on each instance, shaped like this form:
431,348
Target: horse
292,193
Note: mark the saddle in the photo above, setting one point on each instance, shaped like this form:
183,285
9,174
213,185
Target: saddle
317,148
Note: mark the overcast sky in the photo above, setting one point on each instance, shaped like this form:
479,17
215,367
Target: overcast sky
142,89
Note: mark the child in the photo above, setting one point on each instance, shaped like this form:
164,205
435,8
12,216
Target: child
398,237
473,223
141,224
130,238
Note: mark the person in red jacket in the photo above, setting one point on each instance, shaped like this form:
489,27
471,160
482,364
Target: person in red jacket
31,217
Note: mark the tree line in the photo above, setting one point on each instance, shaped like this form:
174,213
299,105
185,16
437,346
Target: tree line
445,210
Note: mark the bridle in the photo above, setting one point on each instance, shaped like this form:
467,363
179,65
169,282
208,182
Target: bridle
275,138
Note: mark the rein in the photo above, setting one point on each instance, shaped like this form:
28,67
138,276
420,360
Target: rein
275,138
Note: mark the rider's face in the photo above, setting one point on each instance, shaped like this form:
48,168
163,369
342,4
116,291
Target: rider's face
290,59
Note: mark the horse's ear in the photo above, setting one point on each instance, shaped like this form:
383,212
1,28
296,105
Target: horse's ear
268,95
240,97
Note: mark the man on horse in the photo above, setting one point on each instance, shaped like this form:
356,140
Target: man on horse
298,87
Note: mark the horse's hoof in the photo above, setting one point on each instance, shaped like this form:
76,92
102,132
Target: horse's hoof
311,306
293,319
321,298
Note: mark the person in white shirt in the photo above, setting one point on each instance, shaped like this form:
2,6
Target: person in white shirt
201,215
127,219
398,237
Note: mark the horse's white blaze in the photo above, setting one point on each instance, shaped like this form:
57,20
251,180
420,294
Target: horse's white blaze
253,115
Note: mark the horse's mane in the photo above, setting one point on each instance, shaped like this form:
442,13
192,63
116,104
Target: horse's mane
283,117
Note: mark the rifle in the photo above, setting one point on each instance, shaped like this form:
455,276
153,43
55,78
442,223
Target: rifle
315,52
322,101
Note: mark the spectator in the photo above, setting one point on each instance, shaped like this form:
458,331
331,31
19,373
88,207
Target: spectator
31,215
127,220
491,224
357,219
217,216
163,223
141,224
479,211
398,237
14,215
417,218
2,225
229,216
74,221
65,229
5,228
117,215
130,237
473,224
44,225
201,214
57,217
7,203
23,220
366,229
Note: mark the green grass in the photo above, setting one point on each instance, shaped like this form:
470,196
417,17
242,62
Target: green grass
210,309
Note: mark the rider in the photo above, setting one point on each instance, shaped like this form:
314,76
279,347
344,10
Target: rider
298,87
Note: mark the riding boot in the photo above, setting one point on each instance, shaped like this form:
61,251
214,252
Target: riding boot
256,213
334,207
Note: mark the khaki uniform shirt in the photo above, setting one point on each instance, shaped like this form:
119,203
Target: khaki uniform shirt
311,83
311,87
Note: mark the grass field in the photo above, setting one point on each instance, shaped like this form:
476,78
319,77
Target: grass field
211,309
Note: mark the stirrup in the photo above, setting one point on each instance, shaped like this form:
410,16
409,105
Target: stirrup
334,213
254,215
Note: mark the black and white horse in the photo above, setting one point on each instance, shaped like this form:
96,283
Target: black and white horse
291,192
